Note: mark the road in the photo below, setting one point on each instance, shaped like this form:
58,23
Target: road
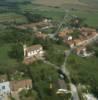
64,69
59,26
74,92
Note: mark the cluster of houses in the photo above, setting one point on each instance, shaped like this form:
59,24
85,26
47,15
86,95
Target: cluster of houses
10,87
86,36
45,24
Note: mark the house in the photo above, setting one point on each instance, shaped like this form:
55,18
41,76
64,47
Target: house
62,87
17,86
32,53
41,35
87,29
3,78
70,43
83,52
65,33
88,96
5,88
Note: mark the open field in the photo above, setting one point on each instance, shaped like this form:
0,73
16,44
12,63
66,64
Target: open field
12,17
90,17
5,61
50,8
57,2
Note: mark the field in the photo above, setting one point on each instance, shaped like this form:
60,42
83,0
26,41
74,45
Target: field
5,61
49,8
12,17
56,2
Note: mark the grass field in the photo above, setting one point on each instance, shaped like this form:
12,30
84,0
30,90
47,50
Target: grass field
5,60
56,8
12,17
56,2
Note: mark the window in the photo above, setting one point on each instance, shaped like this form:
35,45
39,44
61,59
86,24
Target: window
3,87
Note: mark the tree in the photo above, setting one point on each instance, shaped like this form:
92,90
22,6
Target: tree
34,17
76,22
16,35
16,52
75,34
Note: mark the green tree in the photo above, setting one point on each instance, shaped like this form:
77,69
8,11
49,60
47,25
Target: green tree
16,52
76,22
34,17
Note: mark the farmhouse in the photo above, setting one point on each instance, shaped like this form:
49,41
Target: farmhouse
83,52
65,33
41,35
32,53
62,87
17,86
3,78
14,86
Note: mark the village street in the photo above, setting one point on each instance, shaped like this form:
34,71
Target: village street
64,69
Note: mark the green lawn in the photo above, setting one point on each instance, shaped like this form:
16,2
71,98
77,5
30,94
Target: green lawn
5,60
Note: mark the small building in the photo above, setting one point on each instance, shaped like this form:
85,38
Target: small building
83,52
70,43
5,88
62,87
32,53
3,78
41,35
65,33
89,96
17,86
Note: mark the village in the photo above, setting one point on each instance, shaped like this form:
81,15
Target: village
75,39
48,49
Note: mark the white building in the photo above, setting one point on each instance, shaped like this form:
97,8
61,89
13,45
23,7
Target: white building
4,88
89,97
33,51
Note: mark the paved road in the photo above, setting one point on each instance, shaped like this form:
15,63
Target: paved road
64,69
74,92
49,63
